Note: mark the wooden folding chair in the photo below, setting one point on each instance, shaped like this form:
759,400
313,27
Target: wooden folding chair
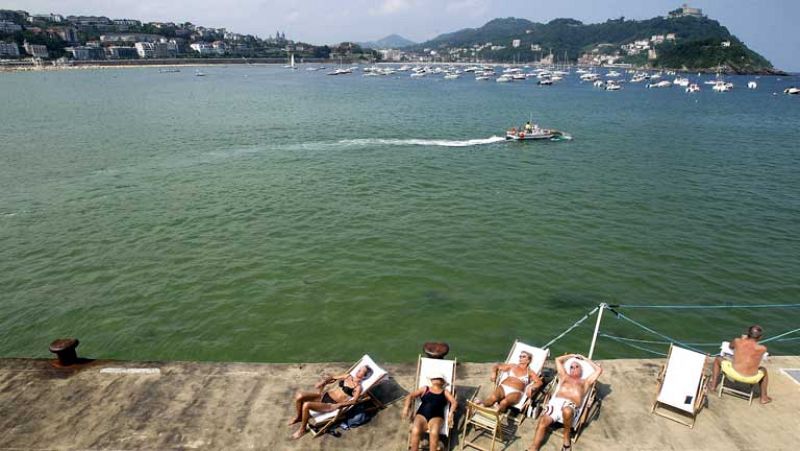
681,386
321,422
427,367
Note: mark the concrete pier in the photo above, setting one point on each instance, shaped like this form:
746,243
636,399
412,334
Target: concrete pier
113,405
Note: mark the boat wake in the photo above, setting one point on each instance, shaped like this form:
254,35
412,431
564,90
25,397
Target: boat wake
421,142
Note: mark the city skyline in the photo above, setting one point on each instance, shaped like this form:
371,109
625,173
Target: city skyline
766,28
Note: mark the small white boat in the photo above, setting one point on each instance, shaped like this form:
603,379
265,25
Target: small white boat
694,87
598,83
482,78
752,85
589,77
535,133
660,84
504,79
199,73
452,77
545,82
613,74
168,71
722,86
613,86
681,81
792,91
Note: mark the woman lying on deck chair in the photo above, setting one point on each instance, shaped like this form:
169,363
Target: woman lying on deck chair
346,392
430,414
517,379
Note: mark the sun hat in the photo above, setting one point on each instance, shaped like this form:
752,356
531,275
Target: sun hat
438,376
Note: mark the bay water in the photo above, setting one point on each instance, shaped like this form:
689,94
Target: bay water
262,214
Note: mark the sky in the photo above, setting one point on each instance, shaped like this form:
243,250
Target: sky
767,26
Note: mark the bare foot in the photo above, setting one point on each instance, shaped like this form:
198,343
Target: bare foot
293,421
299,433
766,400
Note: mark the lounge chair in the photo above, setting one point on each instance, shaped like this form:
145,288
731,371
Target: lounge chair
320,422
589,405
681,386
537,364
427,367
734,387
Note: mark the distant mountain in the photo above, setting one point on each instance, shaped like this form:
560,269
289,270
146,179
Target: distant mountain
700,43
392,41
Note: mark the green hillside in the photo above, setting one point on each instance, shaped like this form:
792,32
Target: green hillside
698,43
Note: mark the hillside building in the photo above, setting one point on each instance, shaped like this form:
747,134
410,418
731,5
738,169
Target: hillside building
35,50
685,11
9,49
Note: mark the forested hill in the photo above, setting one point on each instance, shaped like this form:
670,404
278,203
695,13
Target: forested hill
699,42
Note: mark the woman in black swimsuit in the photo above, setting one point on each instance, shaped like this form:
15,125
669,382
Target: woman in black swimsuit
345,393
430,414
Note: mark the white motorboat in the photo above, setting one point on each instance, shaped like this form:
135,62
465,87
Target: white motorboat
792,91
613,86
589,77
722,86
533,132
505,78
694,87
660,84
598,83
545,82
482,78
452,76
681,81
752,85
613,74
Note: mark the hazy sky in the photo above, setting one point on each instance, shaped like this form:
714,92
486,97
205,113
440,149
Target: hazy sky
767,26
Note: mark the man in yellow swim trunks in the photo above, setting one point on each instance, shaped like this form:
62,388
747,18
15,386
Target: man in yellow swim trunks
745,368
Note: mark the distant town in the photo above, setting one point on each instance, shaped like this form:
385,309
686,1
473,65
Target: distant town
683,38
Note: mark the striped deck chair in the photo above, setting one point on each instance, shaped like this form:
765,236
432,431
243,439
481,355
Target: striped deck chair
320,422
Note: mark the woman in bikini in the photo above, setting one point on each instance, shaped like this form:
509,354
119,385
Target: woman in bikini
345,392
515,379
430,414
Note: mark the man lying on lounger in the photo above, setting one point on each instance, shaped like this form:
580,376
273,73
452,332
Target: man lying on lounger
566,403
746,366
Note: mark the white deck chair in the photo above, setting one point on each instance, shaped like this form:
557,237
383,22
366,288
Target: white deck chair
320,422
536,365
682,386
589,399
427,367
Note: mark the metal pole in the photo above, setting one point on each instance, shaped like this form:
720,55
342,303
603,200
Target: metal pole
601,307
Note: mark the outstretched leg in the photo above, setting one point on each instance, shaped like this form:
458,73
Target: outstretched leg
299,399
433,435
567,413
509,401
496,396
307,408
715,373
541,428
418,428
765,399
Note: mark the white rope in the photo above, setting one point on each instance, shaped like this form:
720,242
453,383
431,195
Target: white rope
570,328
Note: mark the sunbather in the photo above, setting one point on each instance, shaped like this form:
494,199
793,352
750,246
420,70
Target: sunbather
345,393
518,379
565,405
746,366
430,414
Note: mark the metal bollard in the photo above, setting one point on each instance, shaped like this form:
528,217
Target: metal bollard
64,349
435,349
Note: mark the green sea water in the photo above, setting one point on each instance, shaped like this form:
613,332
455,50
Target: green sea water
259,214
